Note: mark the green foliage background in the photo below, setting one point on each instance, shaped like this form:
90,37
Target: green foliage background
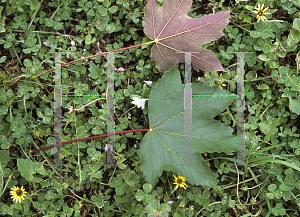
30,29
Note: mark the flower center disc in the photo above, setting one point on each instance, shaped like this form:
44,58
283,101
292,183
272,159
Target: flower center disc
261,13
19,192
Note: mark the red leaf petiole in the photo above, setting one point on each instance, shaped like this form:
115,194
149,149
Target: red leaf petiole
92,137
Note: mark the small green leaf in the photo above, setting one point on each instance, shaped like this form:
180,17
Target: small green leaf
125,4
91,13
96,130
296,24
9,93
262,87
110,28
250,94
139,195
106,3
284,187
102,11
283,70
128,37
27,168
48,111
20,141
278,194
270,195
4,156
295,83
134,16
95,70
49,22
51,141
4,142
147,188
57,25
293,37
131,178
263,57
273,64
78,39
17,134
113,9
27,50
22,128
247,19
27,63
255,34
296,2
295,106
82,132
88,39
150,198
2,59
138,52
272,187
258,48
141,63
119,190
7,44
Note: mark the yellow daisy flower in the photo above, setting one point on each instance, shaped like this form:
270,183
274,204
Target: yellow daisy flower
261,13
179,181
18,194
220,83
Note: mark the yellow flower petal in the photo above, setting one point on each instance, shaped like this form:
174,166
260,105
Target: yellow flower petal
17,193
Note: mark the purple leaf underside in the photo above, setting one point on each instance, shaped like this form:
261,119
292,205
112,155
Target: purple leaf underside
175,32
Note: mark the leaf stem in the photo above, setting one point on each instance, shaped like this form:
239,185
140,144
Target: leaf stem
126,48
92,137
241,27
234,80
128,110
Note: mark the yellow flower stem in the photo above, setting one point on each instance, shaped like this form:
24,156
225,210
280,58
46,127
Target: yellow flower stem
274,21
174,190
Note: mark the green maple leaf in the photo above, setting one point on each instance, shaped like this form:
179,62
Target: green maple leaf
163,146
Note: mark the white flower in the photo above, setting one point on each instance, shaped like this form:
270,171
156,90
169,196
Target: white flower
148,82
70,110
121,69
72,43
261,13
46,43
139,102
